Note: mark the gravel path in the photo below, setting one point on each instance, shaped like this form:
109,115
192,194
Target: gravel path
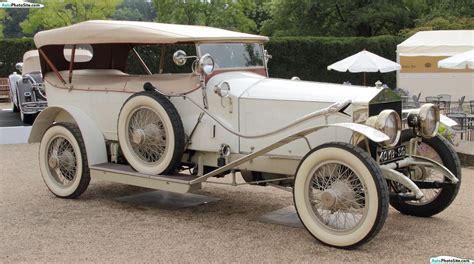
37,227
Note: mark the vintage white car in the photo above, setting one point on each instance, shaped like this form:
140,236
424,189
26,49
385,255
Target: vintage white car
340,150
26,89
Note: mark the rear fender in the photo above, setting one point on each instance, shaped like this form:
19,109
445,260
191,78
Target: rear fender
93,138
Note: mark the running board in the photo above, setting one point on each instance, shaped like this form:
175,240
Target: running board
180,183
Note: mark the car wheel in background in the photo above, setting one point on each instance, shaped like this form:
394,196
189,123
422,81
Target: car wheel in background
435,200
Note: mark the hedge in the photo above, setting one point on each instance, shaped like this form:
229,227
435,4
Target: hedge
305,57
11,52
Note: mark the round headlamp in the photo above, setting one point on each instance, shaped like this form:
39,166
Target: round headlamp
389,123
206,64
425,120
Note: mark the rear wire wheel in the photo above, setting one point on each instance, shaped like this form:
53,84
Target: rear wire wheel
63,160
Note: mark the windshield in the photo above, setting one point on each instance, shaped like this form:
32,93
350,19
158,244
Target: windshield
234,55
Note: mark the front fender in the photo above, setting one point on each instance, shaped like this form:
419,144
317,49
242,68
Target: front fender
369,132
93,138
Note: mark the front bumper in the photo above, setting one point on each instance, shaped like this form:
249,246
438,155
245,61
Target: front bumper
33,107
390,172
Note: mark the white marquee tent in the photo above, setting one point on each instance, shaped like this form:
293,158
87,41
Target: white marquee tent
419,56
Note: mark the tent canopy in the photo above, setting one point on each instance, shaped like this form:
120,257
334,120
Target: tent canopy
364,61
458,61
437,43
111,31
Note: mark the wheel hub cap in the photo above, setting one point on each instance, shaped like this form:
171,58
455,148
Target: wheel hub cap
329,198
138,136
53,161
337,195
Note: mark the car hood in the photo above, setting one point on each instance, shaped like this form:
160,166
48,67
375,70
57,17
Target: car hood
253,86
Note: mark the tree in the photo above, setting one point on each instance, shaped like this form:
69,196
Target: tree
365,17
11,22
2,17
223,14
59,13
337,18
442,15
135,11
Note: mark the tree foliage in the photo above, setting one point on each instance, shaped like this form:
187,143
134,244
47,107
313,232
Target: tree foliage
62,13
134,10
267,17
2,17
442,15
362,17
224,14
11,22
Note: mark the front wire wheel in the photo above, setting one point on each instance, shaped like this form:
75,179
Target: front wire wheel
340,195
63,160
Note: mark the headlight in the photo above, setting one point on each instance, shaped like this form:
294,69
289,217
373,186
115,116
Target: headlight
222,89
388,122
425,120
206,64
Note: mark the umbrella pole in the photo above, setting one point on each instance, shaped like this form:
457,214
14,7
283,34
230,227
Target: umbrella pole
365,82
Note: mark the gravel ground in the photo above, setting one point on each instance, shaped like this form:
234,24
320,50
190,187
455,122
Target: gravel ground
37,227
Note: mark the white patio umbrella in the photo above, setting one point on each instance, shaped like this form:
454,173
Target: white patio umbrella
364,61
459,61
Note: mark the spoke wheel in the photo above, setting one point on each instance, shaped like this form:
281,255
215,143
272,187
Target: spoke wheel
147,135
340,195
63,162
151,133
436,200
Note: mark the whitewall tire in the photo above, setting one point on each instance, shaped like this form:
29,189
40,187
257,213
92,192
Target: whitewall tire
340,195
63,160
150,133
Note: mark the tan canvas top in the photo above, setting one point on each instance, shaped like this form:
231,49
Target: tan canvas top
111,31
31,62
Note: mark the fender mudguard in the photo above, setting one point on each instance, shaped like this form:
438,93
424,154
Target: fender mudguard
93,138
12,80
447,121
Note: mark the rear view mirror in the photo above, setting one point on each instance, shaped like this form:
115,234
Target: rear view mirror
19,66
82,52
180,57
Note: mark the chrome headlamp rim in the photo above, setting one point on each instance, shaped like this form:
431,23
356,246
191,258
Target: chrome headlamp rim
381,125
423,120
379,122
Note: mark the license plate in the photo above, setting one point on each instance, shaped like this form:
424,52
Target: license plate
392,154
